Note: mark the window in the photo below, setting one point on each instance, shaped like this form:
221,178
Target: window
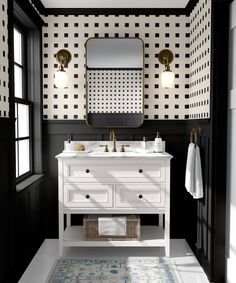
23,108
25,73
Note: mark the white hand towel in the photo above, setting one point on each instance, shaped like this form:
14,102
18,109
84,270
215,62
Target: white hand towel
198,187
112,226
190,171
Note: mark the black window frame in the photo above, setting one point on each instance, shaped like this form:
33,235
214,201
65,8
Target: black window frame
25,18
24,101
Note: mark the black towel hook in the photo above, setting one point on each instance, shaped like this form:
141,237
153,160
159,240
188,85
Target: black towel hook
195,135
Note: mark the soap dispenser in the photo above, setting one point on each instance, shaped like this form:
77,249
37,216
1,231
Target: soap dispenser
158,143
144,143
67,145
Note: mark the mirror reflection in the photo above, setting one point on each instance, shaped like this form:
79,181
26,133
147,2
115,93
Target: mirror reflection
114,74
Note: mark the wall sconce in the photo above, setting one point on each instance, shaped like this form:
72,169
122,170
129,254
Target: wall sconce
167,77
63,57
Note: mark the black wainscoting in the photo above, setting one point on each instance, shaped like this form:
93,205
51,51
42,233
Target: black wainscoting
21,214
204,225
28,227
209,247
6,206
218,146
183,208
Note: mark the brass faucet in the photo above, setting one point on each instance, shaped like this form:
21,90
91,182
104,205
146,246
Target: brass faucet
113,138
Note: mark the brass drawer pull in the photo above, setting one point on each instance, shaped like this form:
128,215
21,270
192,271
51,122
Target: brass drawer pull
140,196
87,170
87,196
140,170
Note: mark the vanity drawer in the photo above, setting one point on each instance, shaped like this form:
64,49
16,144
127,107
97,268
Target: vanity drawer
140,195
142,170
88,195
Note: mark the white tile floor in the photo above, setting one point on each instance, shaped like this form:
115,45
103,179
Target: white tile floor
186,263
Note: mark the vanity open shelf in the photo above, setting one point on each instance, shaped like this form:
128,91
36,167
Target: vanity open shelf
119,184
150,236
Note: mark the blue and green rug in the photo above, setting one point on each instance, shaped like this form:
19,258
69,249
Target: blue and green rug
117,270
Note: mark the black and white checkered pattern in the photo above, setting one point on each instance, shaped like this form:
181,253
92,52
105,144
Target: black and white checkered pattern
188,99
115,91
200,58
4,90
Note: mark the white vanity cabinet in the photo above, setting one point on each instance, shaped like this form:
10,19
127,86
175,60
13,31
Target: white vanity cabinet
139,184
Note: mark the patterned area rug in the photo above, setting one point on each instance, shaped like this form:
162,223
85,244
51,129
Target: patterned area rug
117,270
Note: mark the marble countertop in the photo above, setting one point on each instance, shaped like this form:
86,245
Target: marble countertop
94,150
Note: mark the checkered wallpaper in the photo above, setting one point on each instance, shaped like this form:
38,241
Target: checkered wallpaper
200,58
4,91
187,37
157,32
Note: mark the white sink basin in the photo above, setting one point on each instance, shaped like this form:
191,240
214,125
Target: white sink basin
111,154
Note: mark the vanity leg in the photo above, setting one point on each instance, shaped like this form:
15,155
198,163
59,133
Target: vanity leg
60,237
68,220
61,231
167,211
167,248
160,220
60,250
60,208
167,235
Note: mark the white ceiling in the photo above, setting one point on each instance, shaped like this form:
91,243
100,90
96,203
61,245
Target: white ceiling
115,3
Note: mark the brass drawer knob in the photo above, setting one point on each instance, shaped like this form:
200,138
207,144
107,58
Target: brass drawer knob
140,196
87,170
87,196
140,170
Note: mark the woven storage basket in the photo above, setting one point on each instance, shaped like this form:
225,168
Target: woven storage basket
90,229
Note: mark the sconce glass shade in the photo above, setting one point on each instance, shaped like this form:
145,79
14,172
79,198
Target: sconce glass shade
165,57
167,79
61,79
63,57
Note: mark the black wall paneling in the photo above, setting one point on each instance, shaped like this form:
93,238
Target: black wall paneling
29,226
210,245
21,218
20,214
218,142
6,206
204,226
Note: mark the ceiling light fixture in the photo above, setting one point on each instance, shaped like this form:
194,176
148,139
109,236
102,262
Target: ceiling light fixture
167,77
63,57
